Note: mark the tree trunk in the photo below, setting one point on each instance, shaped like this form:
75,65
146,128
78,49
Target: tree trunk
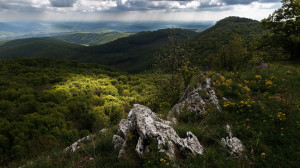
295,52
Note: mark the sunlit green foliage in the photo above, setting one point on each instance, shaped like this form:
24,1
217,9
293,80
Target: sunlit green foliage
47,104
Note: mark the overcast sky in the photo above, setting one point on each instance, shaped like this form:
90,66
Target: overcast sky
140,10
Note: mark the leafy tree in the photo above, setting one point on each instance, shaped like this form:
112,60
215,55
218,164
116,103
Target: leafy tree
231,57
284,26
175,60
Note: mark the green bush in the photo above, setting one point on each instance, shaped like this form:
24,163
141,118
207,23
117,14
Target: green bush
115,111
102,119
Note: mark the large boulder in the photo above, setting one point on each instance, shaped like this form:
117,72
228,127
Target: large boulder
146,126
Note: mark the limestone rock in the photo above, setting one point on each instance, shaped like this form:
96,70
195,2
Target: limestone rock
193,101
146,125
233,143
76,145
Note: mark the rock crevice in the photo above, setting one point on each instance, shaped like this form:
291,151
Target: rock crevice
193,101
146,125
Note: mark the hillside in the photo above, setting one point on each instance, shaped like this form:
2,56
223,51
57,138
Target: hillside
211,39
92,39
39,47
47,104
132,54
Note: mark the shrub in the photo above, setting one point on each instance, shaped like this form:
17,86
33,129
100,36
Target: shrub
110,90
115,111
102,119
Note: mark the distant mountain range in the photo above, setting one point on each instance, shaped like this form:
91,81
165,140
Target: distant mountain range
17,30
133,53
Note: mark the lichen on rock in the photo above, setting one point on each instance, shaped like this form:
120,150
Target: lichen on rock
233,143
146,125
193,101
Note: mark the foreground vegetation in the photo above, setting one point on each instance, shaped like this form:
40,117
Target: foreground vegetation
47,104
262,106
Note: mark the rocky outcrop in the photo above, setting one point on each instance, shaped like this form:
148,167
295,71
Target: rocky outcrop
193,101
76,145
233,143
146,126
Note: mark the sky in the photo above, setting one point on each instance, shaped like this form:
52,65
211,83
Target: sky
134,10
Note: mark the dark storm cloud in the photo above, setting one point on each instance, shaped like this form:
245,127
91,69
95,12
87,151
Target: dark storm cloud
62,3
72,9
243,2
22,6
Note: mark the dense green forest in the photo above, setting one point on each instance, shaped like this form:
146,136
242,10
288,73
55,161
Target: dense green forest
39,47
135,53
212,39
91,39
131,54
47,104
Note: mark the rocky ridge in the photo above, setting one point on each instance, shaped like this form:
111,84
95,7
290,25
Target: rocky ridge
146,125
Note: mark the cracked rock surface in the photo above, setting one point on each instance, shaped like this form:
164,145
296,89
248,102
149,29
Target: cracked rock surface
193,101
146,125
233,143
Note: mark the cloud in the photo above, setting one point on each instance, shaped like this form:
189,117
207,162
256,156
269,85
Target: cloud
239,2
132,9
62,3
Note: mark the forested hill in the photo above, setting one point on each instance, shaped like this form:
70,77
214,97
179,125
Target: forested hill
92,38
39,47
133,53
211,39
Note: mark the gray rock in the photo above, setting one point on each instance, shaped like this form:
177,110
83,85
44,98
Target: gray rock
146,125
76,145
233,143
192,100
262,66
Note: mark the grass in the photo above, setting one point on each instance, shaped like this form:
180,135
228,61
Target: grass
263,112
